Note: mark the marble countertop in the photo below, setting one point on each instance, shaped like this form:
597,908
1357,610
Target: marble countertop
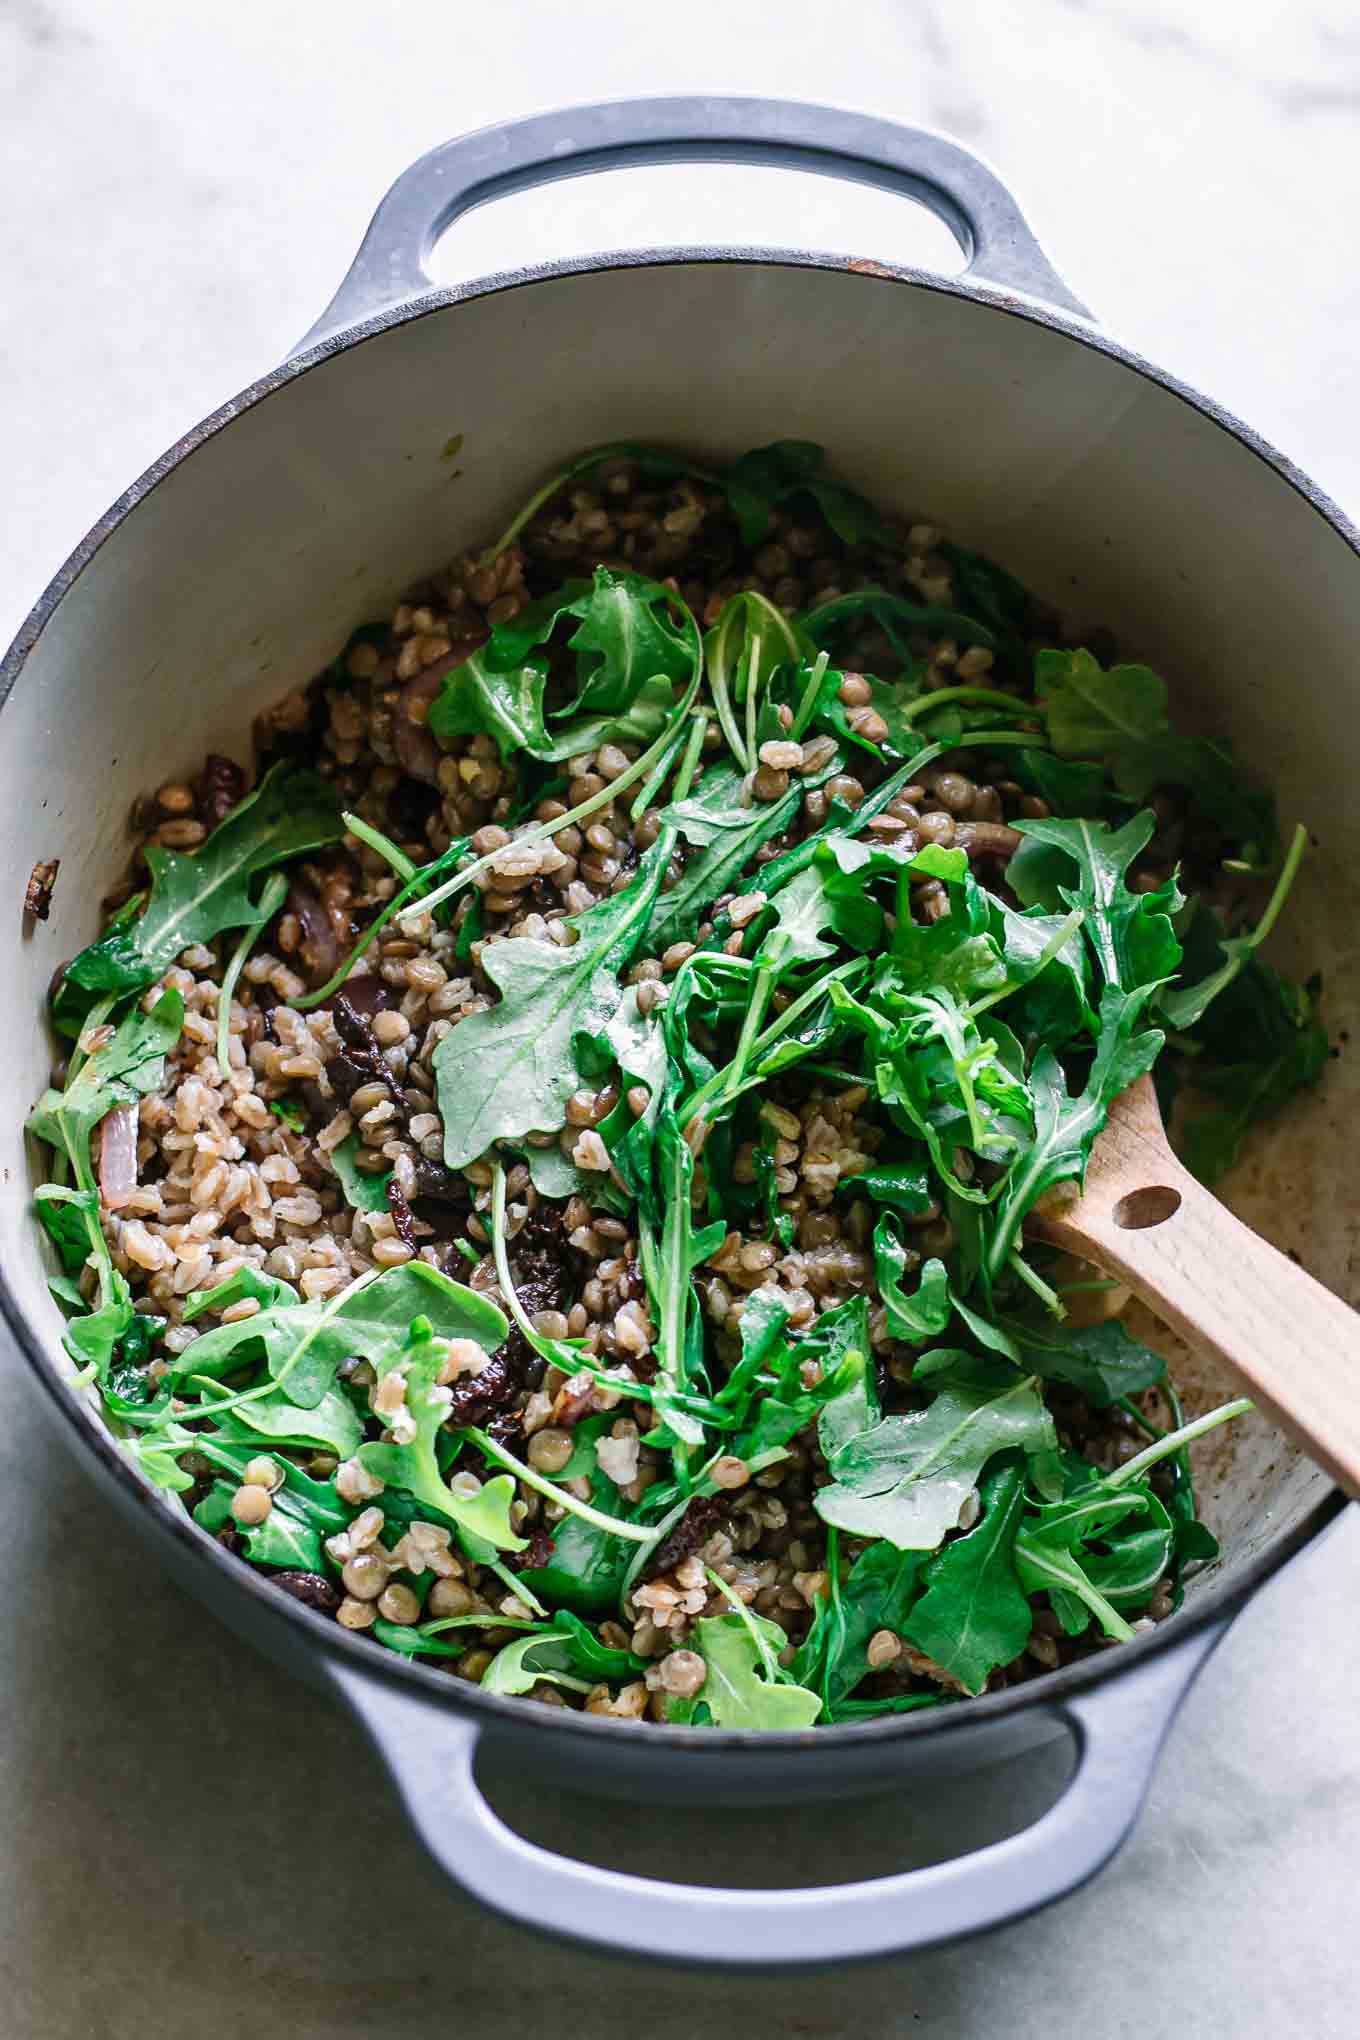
195,1843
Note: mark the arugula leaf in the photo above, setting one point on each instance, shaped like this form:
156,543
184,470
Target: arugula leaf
1069,786
1261,1044
511,1069
1103,1362
840,1341
727,834
1131,933
199,894
974,1615
1065,1127
630,653
363,1192
793,467
902,620
913,1318
477,698
1121,715
587,1568
1184,1004
124,1070
993,596
285,1538
303,1343
907,1479
877,1595
485,1514
904,1186
738,1691
332,1426
567,1653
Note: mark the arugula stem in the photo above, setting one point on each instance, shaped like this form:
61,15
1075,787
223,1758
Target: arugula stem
384,846
924,703
704,1484
1048,1297
547,1349
750,1029
515,1584
1174,1441
716,650
634,1533
807,705
1074,1581
542,830
787,1019
271,899
582,464
1055,945
1289,871
769,1663
752,693
394,906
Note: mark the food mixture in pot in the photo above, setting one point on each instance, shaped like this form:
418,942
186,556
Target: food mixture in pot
544,1175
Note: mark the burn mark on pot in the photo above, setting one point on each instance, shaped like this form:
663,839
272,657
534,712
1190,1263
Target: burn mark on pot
38,891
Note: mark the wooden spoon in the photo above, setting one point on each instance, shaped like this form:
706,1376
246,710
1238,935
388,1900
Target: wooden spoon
1143,1217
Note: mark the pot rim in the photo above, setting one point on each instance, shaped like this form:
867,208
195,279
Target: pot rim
224,1574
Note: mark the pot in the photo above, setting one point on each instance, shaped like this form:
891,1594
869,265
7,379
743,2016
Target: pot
234,568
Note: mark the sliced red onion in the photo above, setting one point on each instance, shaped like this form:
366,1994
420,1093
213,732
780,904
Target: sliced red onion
118,1156
417,751
318,952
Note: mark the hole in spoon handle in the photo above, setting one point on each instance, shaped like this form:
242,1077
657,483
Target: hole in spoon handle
1153,1205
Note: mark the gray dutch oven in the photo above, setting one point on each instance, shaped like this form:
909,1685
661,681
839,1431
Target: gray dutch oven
235,566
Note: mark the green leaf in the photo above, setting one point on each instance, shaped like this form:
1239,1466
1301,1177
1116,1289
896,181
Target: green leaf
1261,1045
1121,715
1103,1362
727,834
70,1218
478,699
631,651
883,1583
793,467
1069,786
485,1514
194,896
737,1690
587,1568
304,1343
1131,933
511,1070
904,1186
907,1479
363,1192
913,1318
1065,1127
1185,1004
332,1426
974,1615
126,1069
1091,713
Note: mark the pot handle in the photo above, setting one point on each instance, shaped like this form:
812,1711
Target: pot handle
1118,1731
953,183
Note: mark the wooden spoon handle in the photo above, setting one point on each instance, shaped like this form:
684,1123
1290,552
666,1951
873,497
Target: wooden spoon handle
1293,1345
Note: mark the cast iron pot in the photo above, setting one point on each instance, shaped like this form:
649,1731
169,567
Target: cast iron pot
234,568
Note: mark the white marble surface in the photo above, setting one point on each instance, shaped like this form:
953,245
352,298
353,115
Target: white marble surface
195,1846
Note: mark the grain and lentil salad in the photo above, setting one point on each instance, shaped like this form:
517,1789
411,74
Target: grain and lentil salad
543,1176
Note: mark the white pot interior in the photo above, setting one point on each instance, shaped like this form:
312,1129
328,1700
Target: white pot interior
245,568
